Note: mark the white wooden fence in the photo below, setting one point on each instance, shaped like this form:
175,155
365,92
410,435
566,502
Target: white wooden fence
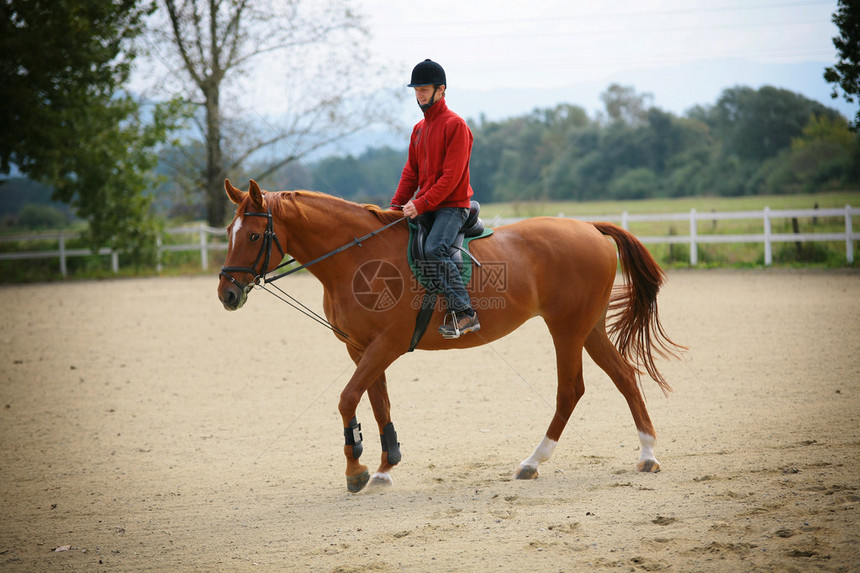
767,237
202,244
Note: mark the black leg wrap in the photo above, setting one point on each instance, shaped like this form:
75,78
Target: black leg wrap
352,437
388,437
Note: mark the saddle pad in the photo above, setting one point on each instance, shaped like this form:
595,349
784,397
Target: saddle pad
465,265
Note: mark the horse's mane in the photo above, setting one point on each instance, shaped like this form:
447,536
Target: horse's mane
336,203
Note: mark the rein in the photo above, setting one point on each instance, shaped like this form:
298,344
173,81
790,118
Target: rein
262,279
356,241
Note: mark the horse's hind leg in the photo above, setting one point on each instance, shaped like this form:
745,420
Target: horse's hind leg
571,388
378,395
624,376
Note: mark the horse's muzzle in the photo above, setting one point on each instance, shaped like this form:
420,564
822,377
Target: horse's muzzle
231,296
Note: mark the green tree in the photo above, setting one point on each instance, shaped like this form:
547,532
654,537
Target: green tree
685,174
823,157
66,120
491,138
339,173
371,177
845,74
639,183
580,170
625,105
114,189
380,172
751,141
522,158
758,124
34,216
495,161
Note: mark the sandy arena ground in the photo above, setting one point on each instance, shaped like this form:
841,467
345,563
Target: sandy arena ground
142,427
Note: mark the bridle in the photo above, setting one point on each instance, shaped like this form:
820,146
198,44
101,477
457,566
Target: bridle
261,278
265,253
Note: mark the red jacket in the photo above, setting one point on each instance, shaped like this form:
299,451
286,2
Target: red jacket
438,162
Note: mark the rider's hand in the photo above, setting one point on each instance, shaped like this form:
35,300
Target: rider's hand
409,210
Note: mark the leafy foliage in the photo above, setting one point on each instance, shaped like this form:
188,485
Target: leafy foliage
59,60
66,121
34,216
845,74
749,142
757,124
371,177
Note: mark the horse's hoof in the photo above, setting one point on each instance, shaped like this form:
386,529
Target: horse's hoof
380,481
526,472
650,466
357,482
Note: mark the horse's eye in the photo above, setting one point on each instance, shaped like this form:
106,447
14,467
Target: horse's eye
255,236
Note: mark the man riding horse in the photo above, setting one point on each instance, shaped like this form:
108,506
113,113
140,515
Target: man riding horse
438,168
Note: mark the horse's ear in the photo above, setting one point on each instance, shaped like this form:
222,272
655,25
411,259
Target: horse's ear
256,194
235,195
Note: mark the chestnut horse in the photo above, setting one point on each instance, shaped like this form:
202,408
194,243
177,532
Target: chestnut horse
560,269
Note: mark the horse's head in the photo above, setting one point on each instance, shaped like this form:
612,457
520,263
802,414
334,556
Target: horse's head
251,237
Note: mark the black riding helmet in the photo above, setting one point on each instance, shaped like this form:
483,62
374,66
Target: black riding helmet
428,73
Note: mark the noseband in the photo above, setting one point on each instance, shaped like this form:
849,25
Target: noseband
265,253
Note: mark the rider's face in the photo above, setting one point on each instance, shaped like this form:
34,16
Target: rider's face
424,94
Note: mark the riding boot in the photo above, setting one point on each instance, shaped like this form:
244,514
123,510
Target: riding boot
459,323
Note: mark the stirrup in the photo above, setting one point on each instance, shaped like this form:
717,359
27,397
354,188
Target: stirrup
452,330
455,332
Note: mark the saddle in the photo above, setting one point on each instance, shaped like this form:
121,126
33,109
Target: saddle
473,228
419,228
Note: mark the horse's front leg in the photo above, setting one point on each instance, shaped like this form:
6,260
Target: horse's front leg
370,370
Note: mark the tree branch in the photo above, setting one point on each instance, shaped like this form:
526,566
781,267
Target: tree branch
176,24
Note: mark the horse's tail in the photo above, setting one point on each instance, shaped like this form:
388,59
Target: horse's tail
632,319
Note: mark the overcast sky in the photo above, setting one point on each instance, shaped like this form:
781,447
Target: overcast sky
505,58
546,43
683,51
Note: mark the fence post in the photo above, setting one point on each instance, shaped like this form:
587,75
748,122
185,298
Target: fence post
63,268
204,255
624,223
694,247
849,243
158,262
114,261
768,250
